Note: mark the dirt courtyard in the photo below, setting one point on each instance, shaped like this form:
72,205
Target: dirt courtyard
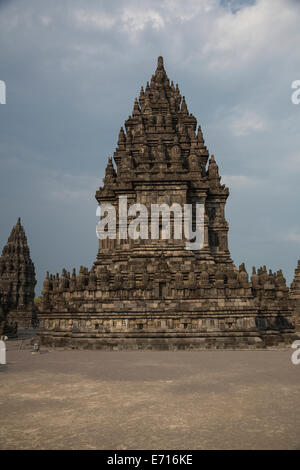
149,400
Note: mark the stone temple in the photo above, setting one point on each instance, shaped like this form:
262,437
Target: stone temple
17,283
154,293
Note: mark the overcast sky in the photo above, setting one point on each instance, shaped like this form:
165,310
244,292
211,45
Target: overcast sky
72,70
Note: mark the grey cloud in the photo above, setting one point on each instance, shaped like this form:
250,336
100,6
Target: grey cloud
72,71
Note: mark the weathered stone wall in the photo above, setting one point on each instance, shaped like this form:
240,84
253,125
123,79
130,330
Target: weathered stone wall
191,313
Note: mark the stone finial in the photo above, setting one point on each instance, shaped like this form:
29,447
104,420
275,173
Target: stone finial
122,137
254,278
184,109
136,108
110,172
213,169
160,62
200,138
243,275
242,267
46,285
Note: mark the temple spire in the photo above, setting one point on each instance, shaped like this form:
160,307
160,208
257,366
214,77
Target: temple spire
159,118
136,108
17,279
160,63
122,137
184,109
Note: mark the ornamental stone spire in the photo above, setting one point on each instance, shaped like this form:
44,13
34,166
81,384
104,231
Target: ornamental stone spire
17,280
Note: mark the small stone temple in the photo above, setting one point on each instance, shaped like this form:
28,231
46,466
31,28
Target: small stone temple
17,282
154,293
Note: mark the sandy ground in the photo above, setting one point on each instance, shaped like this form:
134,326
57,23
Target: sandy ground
149,400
